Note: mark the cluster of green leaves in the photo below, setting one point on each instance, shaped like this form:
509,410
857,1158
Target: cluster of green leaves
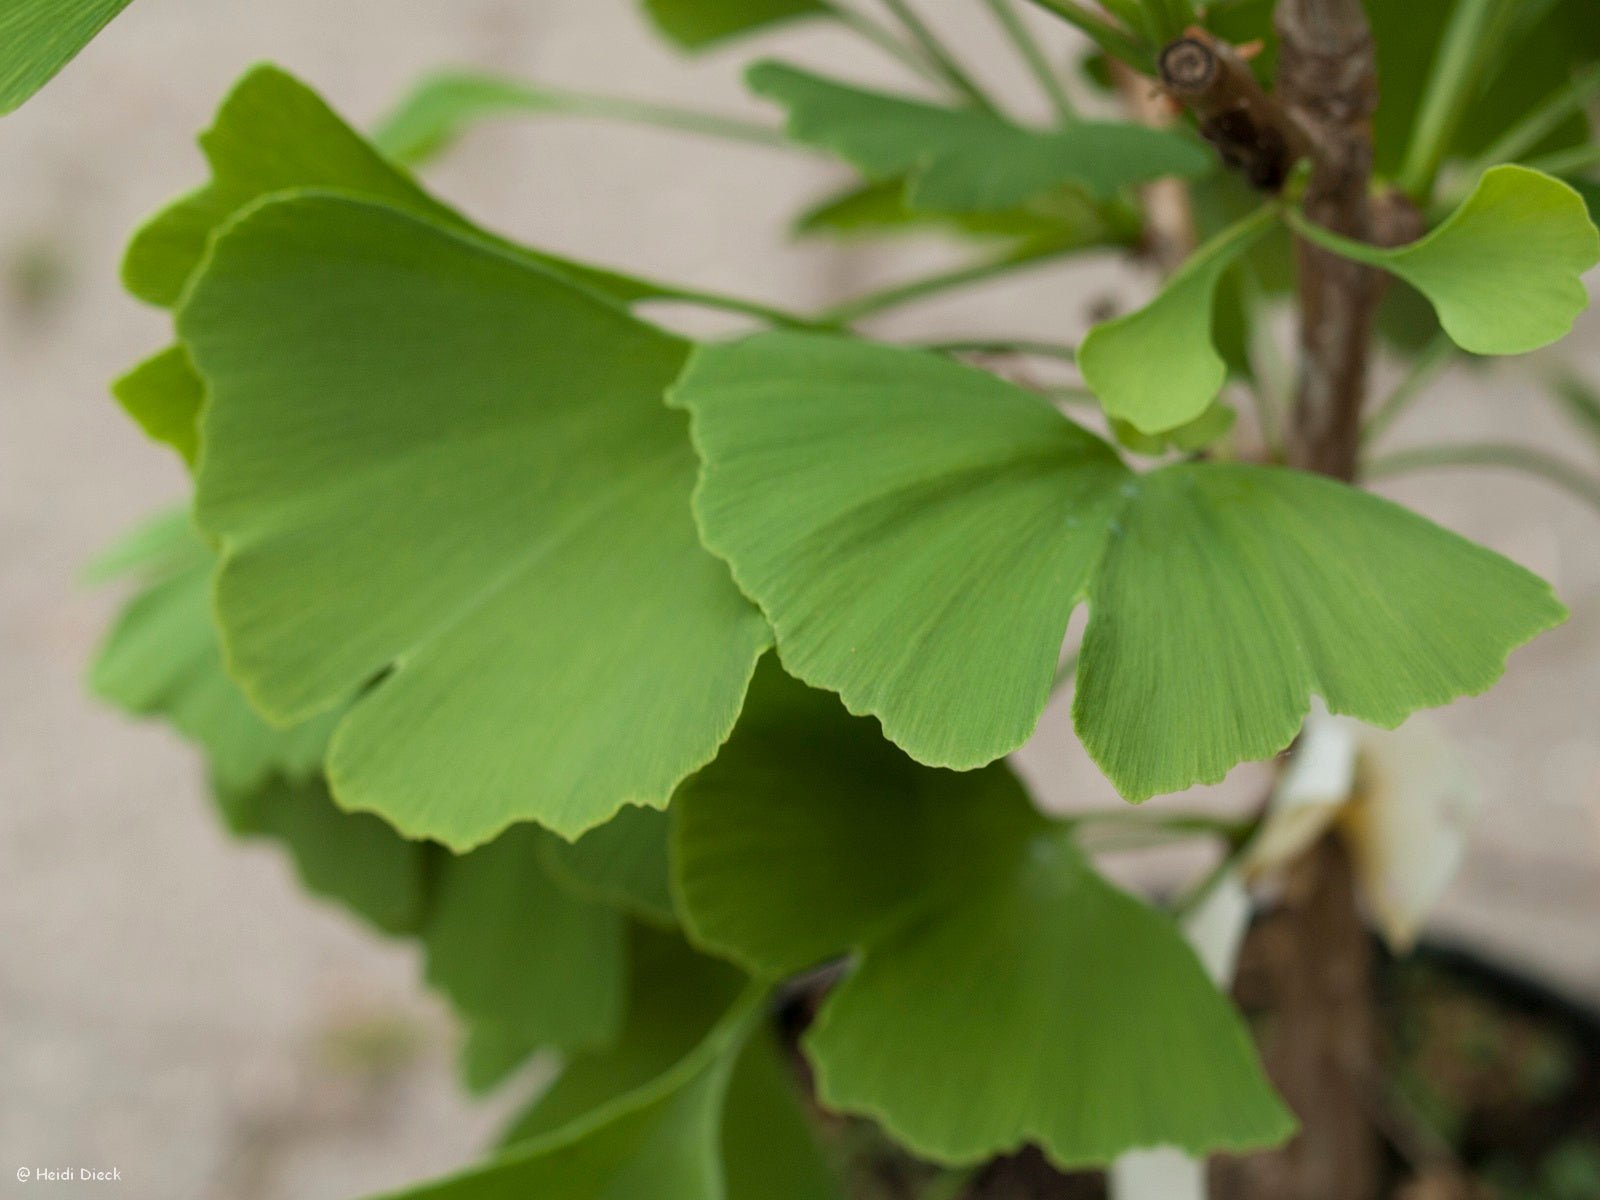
634,677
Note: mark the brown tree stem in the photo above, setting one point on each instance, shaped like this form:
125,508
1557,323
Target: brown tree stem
1308,965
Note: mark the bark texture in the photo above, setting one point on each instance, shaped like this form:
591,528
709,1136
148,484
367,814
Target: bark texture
1327,81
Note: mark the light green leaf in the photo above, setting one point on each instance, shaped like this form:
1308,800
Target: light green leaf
1229,594
432,462
510,947
622,863
1002,992
273,134
164,395
700,24
1158,368
659,1141
880,209
1504,271
444,106
39,37
962,160
162,659
918,533
909,525
352,858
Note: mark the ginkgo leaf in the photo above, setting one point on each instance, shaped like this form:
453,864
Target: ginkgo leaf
351,858
918,533
1158,368
273,134
622,863
39,37
963,160
699,24
908,524
432,462
675,999
511,947
1002,993
1504,270
660,1140
162,659
164,395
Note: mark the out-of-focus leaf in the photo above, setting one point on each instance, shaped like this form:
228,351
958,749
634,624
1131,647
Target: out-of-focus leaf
164,395
1003,993
700,24
962,160
622,863
918,532
428,458
878,209
660,1141
273,134
675,998
162,659
39,37
352,858
1581,403
1157,368
511,947
1504,271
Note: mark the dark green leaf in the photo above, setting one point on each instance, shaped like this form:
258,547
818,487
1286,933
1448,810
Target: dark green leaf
162,659
623,863
962,160
352,858
427,458
660,1141
510,947
675,998
1003,993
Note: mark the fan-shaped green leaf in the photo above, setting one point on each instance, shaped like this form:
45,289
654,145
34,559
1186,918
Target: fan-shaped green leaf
352,858
675,999
1157,368
1229,594
509,946
699,24
164,395
273,134
910,525
622,863
1504,271
39,37
962,160
918,533
660,1140
1003,993
430,461
162,659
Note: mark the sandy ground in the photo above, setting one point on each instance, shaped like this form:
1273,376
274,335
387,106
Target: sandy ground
169,1003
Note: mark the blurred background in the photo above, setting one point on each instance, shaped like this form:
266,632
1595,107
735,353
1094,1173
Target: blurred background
170,1003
